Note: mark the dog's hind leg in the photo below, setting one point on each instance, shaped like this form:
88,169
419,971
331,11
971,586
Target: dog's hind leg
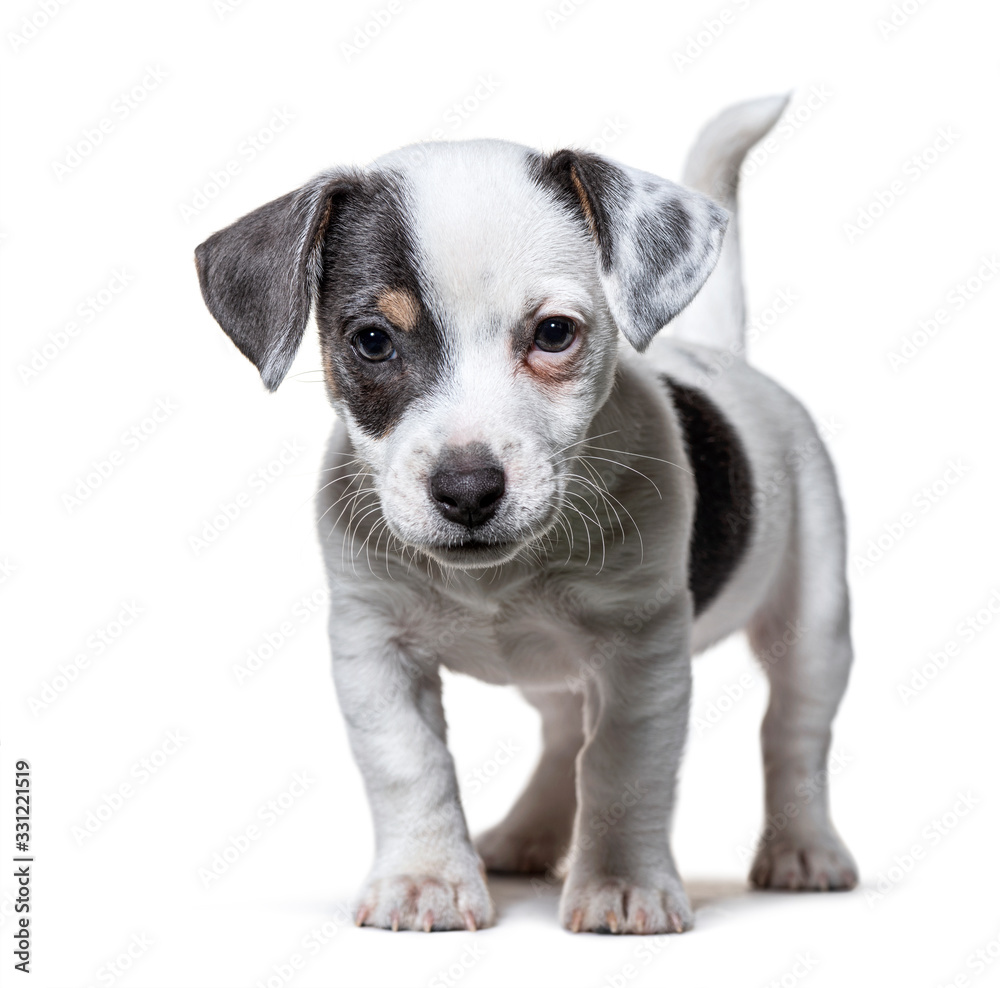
802,638
537,830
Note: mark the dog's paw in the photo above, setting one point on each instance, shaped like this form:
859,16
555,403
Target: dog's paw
810,864
510,849
613,905
425,902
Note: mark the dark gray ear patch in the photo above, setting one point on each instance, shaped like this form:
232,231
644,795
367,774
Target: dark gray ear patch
668,235
658,241
588,186
259,275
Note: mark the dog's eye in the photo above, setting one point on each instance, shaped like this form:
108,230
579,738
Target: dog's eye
555,334
373,344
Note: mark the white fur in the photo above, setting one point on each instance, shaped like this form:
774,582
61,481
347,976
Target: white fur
584,581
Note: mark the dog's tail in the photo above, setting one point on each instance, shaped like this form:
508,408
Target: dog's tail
717,315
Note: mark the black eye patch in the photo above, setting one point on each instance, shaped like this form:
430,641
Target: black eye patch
369,256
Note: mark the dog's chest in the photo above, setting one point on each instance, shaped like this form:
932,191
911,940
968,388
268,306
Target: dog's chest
523,637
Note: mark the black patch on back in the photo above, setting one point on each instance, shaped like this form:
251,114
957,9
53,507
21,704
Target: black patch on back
369,248
724,515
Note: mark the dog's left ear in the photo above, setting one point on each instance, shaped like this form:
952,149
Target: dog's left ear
658,241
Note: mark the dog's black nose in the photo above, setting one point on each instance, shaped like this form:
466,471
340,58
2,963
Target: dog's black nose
468,496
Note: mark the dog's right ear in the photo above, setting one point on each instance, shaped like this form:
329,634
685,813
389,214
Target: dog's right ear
657,241
259,277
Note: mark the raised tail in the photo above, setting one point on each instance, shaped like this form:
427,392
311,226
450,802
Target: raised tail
717,315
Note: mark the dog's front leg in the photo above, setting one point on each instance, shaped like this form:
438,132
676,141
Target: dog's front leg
622,876
426,876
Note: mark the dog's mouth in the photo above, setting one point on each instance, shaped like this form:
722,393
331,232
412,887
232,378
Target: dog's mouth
471,553
480,550
483,548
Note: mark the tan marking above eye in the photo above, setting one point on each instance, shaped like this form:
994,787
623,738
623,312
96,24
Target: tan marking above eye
400,307
581,192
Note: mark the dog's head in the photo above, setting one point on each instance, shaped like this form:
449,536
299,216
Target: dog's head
469,298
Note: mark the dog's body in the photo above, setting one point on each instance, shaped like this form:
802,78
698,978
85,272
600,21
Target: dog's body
538,510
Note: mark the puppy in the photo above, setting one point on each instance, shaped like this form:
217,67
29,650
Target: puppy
512,493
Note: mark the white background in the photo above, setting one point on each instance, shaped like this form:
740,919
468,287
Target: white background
607,76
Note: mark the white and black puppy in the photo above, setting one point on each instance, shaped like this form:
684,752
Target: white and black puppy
511,492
